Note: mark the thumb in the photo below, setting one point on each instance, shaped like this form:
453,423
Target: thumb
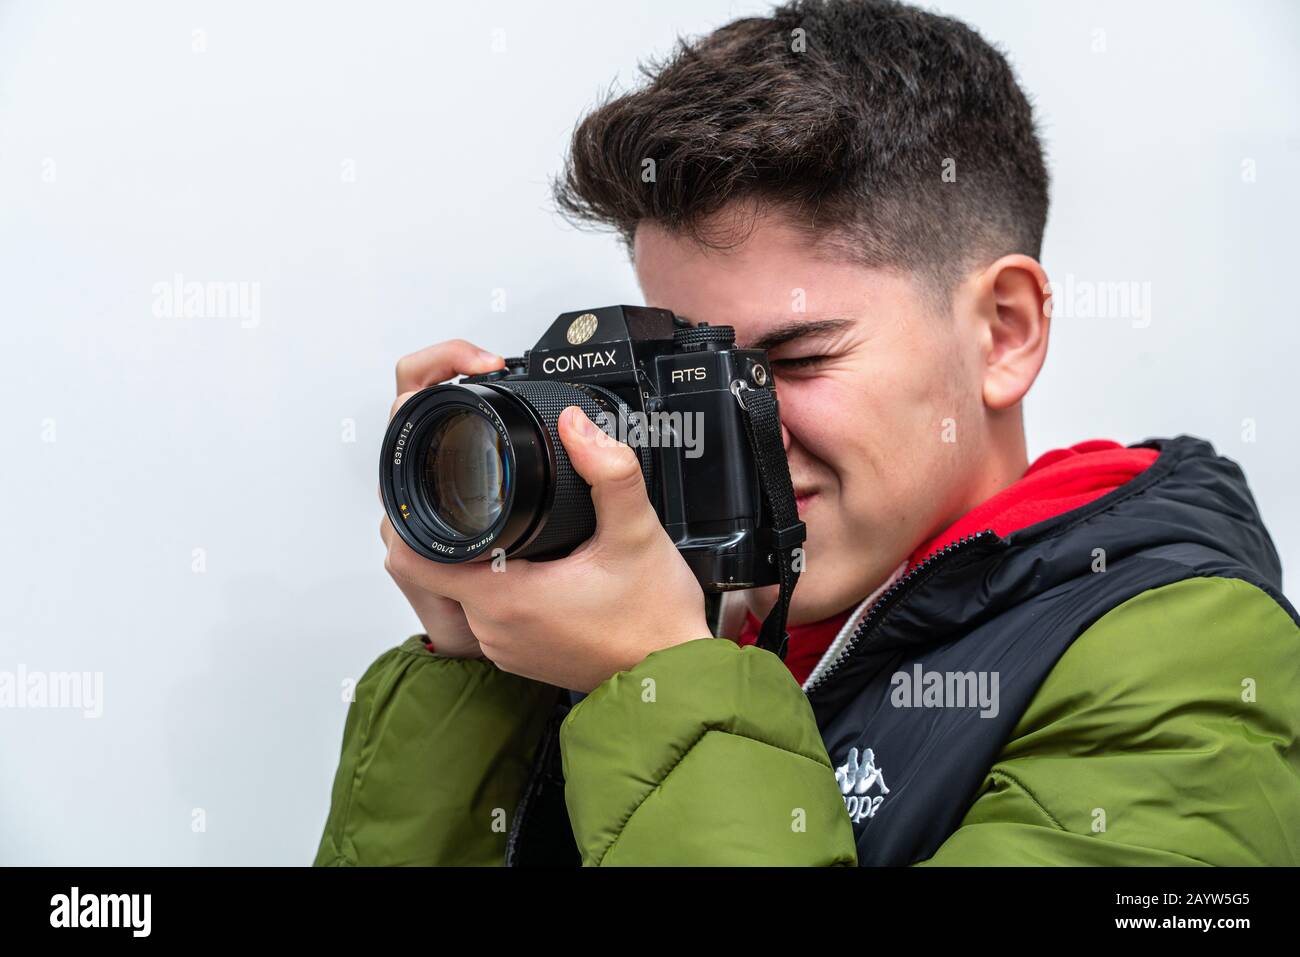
623,510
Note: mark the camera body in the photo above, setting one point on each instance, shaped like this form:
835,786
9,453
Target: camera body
672,391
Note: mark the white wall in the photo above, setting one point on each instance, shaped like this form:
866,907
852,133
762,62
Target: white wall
126,157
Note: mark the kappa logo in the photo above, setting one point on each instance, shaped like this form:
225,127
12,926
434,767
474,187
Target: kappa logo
856,777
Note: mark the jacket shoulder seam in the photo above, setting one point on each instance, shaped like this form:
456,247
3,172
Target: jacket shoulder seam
1217,580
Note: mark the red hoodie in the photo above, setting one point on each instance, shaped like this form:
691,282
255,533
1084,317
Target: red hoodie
1056,482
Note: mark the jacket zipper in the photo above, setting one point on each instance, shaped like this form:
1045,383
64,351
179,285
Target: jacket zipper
888,599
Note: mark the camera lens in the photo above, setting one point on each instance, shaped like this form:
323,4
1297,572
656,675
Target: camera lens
465,473
472,470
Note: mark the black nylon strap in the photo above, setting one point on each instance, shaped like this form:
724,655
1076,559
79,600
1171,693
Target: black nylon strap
763,426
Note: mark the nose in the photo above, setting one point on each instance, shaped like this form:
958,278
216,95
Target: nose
785,438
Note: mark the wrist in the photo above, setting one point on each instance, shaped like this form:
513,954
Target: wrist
690,631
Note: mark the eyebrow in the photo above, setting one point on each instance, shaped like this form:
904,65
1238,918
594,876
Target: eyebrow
798,329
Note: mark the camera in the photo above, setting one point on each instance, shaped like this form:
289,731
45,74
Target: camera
475,469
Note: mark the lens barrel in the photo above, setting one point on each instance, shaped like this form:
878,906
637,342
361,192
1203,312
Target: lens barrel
468,469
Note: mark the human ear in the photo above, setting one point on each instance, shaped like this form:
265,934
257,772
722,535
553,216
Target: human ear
1013,303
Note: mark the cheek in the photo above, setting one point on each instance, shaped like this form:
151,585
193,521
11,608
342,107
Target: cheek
862,409
876,430
818,413
923,383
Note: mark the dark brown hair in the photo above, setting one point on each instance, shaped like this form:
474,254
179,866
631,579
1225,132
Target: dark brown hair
843,114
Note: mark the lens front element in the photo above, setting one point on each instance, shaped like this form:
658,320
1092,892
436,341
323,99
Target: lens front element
465,473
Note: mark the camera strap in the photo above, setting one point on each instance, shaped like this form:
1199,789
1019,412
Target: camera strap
763,426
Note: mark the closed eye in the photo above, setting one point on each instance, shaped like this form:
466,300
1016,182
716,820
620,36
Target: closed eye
798,363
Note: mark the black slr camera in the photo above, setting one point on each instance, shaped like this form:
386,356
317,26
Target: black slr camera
475,469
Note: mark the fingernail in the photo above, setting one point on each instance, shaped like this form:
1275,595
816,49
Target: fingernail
491,357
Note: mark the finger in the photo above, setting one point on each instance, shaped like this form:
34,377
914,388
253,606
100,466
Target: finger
623,510
468,583
408,567
398,403
439,363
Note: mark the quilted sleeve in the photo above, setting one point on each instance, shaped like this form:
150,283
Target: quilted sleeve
703,754
436,752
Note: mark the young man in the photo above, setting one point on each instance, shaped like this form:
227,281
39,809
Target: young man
1083,660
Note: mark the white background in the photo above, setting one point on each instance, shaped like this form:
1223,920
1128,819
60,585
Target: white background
127,157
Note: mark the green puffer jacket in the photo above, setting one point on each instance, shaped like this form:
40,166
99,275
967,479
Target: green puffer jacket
1161,729
437,750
